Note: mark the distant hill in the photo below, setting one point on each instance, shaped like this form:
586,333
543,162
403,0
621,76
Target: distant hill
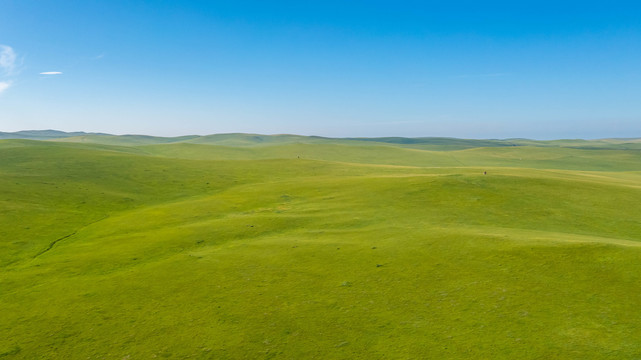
125,140
42,134
250,140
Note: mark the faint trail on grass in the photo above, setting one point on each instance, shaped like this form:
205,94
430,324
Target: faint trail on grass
529,236
53,243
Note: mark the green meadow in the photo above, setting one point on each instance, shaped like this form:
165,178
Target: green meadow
241,246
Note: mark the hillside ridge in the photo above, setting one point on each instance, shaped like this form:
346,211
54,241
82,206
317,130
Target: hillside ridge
249,139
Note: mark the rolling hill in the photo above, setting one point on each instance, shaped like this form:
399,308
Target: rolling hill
254,246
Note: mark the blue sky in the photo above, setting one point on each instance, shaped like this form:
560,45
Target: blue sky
474,69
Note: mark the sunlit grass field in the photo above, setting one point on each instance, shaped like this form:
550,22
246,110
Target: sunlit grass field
247,247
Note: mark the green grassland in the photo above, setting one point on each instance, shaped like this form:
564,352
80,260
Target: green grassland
241,246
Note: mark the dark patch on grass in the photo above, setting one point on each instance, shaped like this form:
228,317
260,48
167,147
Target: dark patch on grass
14,350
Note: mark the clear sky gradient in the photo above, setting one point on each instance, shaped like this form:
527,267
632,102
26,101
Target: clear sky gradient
473,69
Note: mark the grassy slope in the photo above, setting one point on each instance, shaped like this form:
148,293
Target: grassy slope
521,156
367,251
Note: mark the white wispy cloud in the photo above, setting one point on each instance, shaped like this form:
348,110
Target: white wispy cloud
7,60
4,85
7,66
51,73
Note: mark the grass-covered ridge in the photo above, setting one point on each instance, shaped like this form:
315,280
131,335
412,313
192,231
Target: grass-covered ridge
228,247
240,139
